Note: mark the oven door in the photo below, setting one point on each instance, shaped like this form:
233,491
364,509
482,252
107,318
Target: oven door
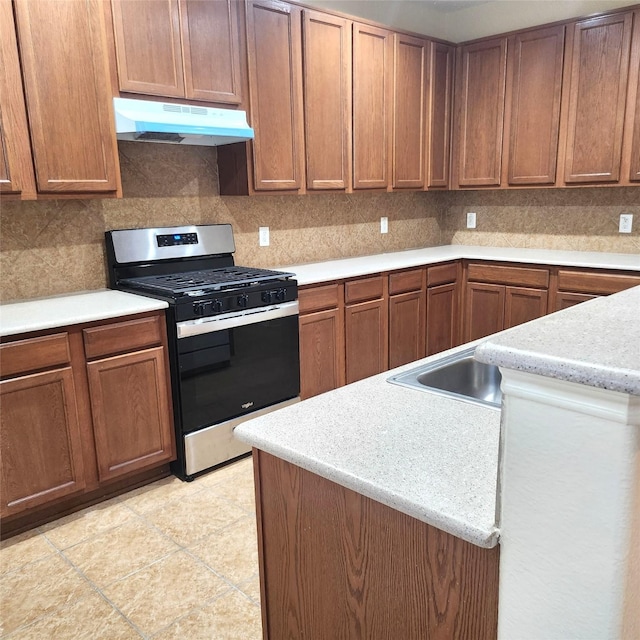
233,364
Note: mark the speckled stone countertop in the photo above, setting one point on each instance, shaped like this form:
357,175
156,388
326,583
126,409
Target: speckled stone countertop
596,343
317,272
61,311
428,456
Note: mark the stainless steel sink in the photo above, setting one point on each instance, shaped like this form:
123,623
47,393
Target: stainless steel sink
458,376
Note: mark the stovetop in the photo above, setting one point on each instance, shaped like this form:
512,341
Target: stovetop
195,283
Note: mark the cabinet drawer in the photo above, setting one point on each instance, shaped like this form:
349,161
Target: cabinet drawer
442,274
122,336
405,281
594,282
319,298
32,354
516,276
361,290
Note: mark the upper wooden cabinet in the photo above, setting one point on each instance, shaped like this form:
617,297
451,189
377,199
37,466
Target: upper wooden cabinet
180,48
16,168
372,105
439,120
595,89
410,74
327,100
274,47
479,111
631,138
532,116
65,71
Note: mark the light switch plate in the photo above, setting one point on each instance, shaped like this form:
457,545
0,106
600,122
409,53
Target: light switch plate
263,233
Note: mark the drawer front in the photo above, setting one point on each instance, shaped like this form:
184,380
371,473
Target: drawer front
361,290
319,298
594,282
442,274
33,354
122,336
516,276
405,281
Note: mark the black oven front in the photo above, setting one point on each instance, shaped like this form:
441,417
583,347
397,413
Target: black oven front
231,367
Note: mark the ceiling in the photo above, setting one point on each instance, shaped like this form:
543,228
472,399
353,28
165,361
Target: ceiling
462,20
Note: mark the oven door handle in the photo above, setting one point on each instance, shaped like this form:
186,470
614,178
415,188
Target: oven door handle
190,328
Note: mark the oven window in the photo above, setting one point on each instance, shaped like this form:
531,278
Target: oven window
228,373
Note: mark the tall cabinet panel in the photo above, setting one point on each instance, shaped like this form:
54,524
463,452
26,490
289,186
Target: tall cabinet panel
535,62
480,92
409,114
65,69
16,169
147,38
596,94
275,85
327,100
631,139
372,86
439,121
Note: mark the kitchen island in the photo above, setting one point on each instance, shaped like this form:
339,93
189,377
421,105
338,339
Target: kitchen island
325,466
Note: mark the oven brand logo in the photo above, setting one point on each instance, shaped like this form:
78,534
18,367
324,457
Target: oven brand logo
246,405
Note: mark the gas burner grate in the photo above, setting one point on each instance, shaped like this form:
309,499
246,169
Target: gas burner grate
204,280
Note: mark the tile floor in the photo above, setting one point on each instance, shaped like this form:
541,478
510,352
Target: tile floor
166,561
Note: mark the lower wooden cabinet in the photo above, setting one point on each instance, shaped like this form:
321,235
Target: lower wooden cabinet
41,446
365,339
442,318
522,304
81,409
406,328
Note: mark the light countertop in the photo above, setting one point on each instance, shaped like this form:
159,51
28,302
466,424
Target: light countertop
596,343
428,456
60,311
317,272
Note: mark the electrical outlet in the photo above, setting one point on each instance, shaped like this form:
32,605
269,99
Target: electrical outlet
263,233
626,223
471,220
384,224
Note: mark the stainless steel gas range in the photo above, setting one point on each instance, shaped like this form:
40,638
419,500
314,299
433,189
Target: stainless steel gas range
233,333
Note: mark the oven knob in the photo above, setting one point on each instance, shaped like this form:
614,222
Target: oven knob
199,308
243,301
267,296
217,306
281,294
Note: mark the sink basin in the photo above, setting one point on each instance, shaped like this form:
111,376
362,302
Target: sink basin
458,376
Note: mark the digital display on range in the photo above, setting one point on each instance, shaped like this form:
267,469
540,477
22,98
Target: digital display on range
174,239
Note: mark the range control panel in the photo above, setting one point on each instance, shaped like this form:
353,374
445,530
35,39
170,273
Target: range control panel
175,239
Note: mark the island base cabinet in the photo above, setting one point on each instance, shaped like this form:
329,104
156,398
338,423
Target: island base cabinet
335,564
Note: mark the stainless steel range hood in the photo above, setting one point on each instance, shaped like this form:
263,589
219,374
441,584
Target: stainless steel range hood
170,123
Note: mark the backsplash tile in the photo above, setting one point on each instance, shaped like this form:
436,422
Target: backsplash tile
50,247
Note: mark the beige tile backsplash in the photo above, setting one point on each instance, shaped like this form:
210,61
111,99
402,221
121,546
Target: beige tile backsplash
57,246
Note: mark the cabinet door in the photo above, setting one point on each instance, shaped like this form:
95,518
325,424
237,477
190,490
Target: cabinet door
131,412
409,114
41,447
406,328
366,339
439,121
442,318
631,139
484,310
16,169
211,49
523,304
533,114
69,102
148,51
480,94
372,120
327,100
321,352
275,86
565,300
596,98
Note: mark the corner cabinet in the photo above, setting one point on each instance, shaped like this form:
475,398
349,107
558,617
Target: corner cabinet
84,412
66,79
595,89
180,48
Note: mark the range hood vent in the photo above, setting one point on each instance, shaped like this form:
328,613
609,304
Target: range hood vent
169,123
